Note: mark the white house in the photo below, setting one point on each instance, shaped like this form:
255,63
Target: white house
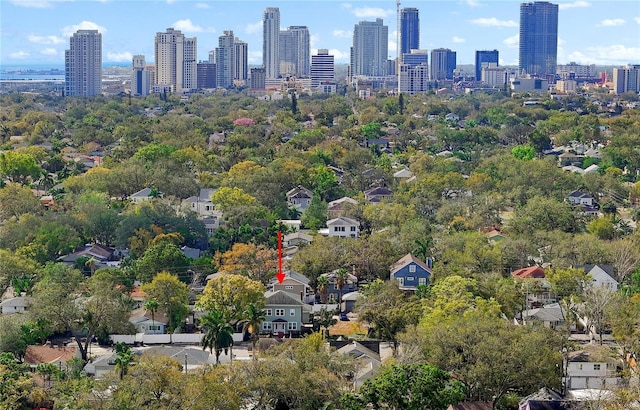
141,196
342,227
602,275
299,198
18,304
201,204
580,198
592,368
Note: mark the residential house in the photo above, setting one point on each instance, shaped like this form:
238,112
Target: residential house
368,362
594,367
55,355
138,296
296,239
494,236
349,301
100,255
211,224
529,273
552,316
452,117
299,198
189,252
291,225
538,290
201,204
341,227
568,158
285,314
147,322
294,283
410,272
381,144
581,198
546,399
404,173
19,304
339,206
471,405
602,275
143,195
333,293
377,194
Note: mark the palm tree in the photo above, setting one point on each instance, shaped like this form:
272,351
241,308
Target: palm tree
342,275
152,306
123,359
322,288
423,248
218,333
253,317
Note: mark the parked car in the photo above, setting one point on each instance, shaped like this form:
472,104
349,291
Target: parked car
343,316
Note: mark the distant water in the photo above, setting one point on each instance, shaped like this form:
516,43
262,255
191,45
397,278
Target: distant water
40,72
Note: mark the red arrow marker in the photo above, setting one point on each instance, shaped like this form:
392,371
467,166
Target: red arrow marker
280,275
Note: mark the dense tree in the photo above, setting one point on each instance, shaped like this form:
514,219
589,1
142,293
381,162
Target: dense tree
16,200
257,262
171,295
231,295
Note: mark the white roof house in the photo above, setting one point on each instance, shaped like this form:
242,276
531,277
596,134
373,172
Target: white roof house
342,227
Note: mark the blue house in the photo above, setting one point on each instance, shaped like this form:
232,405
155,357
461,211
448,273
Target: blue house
410,272
333,291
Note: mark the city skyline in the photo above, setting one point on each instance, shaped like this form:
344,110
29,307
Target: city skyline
38,31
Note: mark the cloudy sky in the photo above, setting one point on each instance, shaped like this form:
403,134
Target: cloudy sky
37,31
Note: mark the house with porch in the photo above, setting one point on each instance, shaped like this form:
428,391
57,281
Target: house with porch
147,322
285,314
410,272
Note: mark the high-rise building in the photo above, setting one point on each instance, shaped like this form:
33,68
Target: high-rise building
409,30
538,38
271,42
626,79
176,61
414,79
241,61
322,68
83,64
443,62
207,74
370,48
258,77
231,57
140,77
483,59
294,51
415,57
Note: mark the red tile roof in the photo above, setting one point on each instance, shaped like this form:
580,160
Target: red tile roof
48,354
530,272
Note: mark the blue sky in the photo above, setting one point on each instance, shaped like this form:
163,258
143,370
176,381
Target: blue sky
37,31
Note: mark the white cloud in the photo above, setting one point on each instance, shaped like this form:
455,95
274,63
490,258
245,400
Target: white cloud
637,19
19,55
119,57
49,51
473,3
575,4
612,22
171,1
187,26
36,4
614,54
457,39
342,33
339,55
202,6
313,40
45,39
372,12
513,41
346,5
253,28
493,22
68,31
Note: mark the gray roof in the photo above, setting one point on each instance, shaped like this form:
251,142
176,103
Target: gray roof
280,297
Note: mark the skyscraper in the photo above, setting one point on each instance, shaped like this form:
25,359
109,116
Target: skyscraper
322,68
484,58
271,41
241,61
83,64
538,38
409,30
294,51
370,48
140,77
175,61
626,79
443,62
231,57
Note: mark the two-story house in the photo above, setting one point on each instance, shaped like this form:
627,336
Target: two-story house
201,204
338,207
294,283
342,227
592,368
285,314
299,198
585,202
602,275
410,272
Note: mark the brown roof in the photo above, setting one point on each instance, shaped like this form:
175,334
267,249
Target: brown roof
471,405
530,272
48,354
407,259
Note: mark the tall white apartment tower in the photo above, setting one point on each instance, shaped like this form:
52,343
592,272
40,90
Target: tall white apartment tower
271,42
83,64
225,57
175,61
369,53
294,51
